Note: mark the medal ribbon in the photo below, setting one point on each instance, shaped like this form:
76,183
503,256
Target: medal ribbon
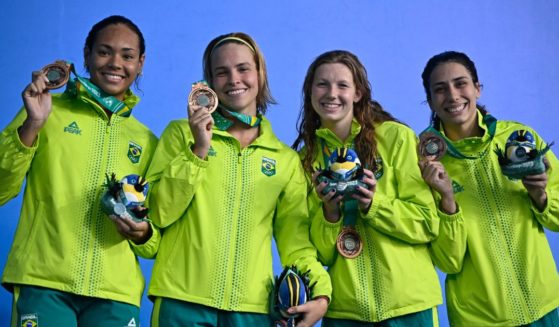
108,102
223,123
488,120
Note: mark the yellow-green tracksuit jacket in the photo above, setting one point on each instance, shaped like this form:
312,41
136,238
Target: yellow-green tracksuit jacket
394,275
500,267
63,240
219,216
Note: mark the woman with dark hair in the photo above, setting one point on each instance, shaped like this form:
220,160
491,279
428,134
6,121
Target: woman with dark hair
391,217
500,269
70,265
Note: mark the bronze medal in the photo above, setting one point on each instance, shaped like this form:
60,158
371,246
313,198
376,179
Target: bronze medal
203,96
349,243
57,73
431,146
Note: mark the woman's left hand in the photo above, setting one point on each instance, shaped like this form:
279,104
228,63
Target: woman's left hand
312,311
535,185
137,232
365,196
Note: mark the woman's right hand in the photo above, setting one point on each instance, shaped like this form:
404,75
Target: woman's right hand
330,202
201,123
435,175
38,105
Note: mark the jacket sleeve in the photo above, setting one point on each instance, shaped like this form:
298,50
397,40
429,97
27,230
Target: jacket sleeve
549,217
449,249
323,233
15,159
149,249
175,173
409,215
291,231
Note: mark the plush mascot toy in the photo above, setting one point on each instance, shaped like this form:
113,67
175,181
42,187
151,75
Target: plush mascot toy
521,157
125,198
343,174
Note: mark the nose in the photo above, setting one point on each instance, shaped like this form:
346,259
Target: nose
332,93
234,78
115,62
453,93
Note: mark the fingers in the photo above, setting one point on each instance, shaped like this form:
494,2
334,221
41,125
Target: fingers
38,84
129,228
535,181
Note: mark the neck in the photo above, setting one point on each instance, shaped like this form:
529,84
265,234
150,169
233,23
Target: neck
244,133
459,132
342,131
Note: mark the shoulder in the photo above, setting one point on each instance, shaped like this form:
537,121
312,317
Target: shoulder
177,126
391,131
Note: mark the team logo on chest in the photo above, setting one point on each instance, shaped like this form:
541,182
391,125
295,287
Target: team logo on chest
134,152
73,128
30,320
268,166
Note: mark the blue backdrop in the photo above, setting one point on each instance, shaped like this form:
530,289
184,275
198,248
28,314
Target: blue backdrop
514,44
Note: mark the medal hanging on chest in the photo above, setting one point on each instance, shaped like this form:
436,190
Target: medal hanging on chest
349,243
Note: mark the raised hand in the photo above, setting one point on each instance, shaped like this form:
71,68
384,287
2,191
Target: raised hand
435,175
201,123
38,105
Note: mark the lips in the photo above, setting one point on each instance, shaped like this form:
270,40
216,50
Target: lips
113,77
236,92
330,106
457,108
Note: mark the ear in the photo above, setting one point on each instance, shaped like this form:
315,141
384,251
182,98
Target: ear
478,90
141,62
86,55
357,96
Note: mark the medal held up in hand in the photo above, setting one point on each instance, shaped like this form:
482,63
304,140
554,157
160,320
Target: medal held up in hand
202,95
58,74
521,157
431,146
125,198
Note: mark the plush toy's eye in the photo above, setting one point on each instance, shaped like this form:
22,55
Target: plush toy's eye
518,153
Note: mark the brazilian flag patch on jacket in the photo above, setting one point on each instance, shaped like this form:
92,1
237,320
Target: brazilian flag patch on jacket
268,166
134,152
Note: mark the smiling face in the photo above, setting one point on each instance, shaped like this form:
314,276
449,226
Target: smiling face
333,94
454,96
235,77
114,60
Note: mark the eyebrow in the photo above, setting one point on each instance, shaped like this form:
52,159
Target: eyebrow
109,47
237,65
452,80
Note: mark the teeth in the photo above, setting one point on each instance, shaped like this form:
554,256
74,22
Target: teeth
456,109
330,105
236,92
113,77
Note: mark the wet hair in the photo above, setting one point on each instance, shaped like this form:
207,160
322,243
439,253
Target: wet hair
114,20
442,58
366,111
264,97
